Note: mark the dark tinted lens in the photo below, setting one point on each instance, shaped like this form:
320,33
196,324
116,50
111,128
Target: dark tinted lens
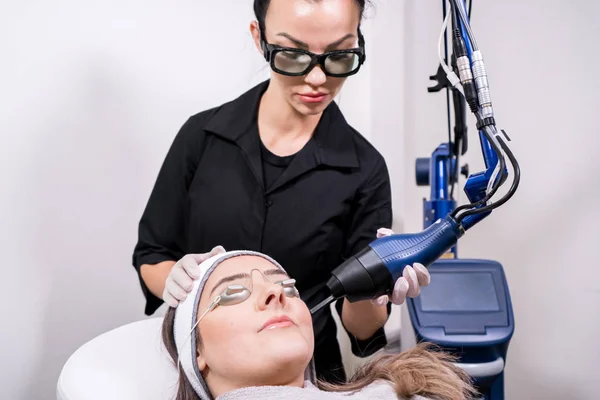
291,61
341,63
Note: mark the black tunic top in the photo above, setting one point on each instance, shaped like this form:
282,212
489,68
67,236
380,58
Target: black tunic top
219,186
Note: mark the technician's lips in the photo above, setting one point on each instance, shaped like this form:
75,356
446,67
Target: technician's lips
281,321
312,97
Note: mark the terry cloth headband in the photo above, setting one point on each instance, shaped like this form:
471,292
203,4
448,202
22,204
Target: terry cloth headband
186,316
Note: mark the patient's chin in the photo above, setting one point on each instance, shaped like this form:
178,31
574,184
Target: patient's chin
285,366
288,347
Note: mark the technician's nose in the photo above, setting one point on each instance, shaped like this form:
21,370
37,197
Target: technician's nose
316,77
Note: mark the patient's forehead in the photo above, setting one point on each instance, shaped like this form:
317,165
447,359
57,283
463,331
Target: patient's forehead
237,265
232,266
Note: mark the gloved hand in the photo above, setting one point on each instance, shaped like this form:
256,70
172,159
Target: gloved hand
181,278
409,284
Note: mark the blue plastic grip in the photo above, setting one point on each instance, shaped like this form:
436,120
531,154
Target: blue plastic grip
398,251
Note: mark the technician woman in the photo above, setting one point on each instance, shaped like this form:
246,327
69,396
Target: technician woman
279,170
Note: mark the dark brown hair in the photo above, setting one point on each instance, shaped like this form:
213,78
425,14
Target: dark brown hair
261,7
424,370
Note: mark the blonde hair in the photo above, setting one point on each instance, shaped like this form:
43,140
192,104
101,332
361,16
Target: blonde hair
424,370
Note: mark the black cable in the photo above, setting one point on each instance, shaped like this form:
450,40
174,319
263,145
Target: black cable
499,180
460,124
460,115
460,128
465,21
456,170
511,191
444,11
497,184
501,176
458,144
457,116
455,17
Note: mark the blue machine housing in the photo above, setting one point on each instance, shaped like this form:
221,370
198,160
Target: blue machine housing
467,310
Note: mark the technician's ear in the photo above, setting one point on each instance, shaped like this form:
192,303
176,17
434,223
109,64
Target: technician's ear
201,362
255,31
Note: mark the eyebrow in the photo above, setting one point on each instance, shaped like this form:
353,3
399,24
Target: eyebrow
300,43
231,278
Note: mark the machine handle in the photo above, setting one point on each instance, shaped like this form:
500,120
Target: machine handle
483,370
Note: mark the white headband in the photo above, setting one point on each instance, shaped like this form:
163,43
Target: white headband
186,316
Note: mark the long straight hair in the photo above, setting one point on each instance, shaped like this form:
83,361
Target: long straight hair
424,370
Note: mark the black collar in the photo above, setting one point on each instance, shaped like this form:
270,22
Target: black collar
333,139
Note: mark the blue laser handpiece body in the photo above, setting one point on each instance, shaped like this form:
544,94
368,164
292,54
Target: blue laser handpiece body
373,271
362,277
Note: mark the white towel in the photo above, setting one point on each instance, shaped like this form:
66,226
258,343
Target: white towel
375,391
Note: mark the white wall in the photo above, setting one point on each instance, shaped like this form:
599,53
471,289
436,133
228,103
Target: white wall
93,93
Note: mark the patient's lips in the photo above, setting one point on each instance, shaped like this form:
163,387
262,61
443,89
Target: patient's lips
282,321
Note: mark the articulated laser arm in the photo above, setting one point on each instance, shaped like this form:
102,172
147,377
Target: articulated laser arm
373,271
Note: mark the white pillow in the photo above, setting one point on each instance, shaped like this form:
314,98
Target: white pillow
127,363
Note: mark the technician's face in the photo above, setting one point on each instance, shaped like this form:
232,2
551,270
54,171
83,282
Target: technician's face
241,343
316,26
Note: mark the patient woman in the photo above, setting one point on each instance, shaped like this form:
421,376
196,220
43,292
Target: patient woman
244,333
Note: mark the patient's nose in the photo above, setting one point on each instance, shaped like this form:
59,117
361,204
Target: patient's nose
275,298
269,295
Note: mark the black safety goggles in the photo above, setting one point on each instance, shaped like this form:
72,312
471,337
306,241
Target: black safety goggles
291,61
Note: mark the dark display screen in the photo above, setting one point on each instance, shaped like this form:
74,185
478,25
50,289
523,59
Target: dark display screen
460,292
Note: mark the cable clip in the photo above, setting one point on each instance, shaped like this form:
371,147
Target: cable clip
443,80
490,121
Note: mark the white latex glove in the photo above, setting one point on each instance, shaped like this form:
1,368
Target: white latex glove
181,278
409,284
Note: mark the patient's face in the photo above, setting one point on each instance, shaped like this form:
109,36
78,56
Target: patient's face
239,345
